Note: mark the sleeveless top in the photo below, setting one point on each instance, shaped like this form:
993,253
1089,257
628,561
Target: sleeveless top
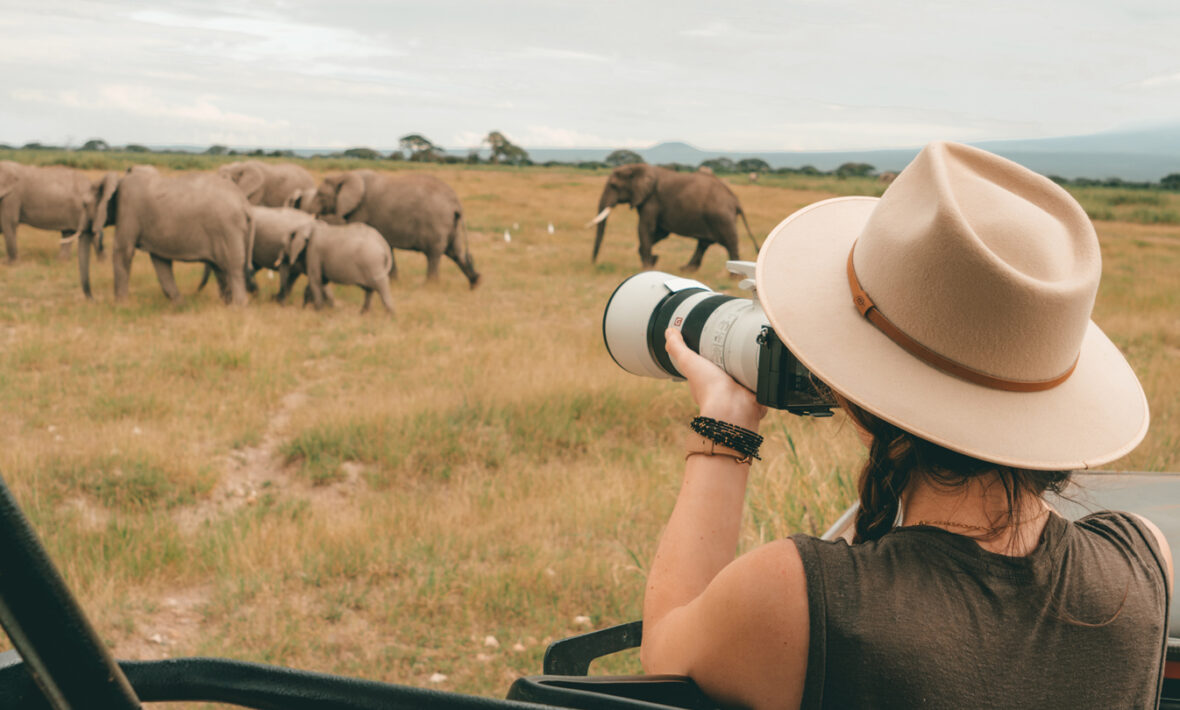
925,618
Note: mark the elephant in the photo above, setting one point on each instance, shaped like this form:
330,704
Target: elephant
51,197
273,228
697,205
193,217
354,254
413,211
267,184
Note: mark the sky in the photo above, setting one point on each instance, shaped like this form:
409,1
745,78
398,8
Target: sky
739,75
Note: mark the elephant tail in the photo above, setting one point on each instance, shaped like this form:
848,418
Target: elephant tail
742,214
462,249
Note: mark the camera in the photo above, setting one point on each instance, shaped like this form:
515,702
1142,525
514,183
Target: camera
729,331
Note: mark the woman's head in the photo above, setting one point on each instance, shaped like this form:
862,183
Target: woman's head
897,457
956,309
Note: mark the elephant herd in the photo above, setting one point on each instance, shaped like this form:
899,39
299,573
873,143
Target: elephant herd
245,217
254,215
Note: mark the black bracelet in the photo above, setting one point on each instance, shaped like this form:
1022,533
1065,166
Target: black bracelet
735,437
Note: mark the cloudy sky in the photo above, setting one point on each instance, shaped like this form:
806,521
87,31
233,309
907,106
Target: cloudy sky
736,75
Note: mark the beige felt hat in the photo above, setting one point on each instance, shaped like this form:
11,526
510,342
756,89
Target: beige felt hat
976,277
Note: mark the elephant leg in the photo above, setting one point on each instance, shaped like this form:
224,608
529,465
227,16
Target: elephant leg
432,259
465,264
648,226
287,278
368,299
167,280
222,282
121,257
9,220
64,248
237,287
328,297
694,263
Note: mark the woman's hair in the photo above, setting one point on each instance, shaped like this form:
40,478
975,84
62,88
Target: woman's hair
896,456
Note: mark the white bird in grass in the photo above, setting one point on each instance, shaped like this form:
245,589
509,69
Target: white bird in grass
507,236
551,228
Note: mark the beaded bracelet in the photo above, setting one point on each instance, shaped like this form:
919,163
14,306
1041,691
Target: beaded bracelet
735,437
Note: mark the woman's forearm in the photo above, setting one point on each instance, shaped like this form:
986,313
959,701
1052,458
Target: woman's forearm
701,536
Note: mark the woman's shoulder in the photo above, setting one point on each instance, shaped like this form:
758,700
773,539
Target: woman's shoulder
1130,532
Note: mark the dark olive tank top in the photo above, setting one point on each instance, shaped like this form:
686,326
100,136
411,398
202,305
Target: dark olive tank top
924,618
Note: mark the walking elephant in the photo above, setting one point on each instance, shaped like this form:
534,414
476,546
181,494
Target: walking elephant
696,205
273,229
353,254
267,184
194,217
52,197
413,211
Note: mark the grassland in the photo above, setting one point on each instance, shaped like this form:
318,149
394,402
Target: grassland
377,497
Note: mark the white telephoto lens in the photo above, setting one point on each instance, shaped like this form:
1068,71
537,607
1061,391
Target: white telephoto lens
629,314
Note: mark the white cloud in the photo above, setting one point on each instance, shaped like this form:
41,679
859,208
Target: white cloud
1156,82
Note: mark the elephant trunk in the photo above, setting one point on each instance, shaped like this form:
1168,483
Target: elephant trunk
608,200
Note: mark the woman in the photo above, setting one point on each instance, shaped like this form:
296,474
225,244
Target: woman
951,318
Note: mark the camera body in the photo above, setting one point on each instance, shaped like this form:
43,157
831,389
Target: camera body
729,331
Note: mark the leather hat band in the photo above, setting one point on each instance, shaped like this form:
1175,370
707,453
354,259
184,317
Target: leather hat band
869,310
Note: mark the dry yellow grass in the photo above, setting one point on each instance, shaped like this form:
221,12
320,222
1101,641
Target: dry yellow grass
375,497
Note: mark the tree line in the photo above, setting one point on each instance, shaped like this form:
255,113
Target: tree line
416,148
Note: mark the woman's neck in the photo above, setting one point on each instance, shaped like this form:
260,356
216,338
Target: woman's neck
978,509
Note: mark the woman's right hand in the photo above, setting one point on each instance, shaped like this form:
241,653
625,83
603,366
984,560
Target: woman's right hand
716,393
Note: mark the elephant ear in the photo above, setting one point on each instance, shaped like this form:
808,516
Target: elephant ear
8,179
643,184
251,181
106,206
349,194
297,241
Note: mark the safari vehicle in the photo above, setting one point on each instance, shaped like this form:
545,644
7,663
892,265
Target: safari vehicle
59,662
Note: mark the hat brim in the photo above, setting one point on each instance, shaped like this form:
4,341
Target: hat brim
1097,415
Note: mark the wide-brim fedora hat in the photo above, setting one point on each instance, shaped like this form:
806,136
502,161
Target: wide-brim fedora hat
957,307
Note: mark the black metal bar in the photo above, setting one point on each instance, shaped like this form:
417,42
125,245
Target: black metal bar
572,656
61,650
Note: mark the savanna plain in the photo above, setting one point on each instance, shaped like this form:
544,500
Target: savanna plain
427,499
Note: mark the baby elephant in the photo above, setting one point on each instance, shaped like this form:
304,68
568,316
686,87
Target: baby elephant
353,254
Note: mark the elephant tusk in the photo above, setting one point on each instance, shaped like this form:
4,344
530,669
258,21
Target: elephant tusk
601,216
69,240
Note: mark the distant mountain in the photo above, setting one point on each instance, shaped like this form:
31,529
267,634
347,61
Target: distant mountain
1137,155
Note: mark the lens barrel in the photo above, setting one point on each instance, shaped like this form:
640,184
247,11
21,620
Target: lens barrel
731,332
724,329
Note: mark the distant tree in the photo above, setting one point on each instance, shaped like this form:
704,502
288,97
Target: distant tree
505,151
362,153
419,148
848,170
136,148
95,144
719,165
282,154
473,157
5,146
591,165
1171,182
753,165
678,167
257,153
35,146
623,157
216,150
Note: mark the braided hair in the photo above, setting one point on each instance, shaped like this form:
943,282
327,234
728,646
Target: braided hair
896,456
